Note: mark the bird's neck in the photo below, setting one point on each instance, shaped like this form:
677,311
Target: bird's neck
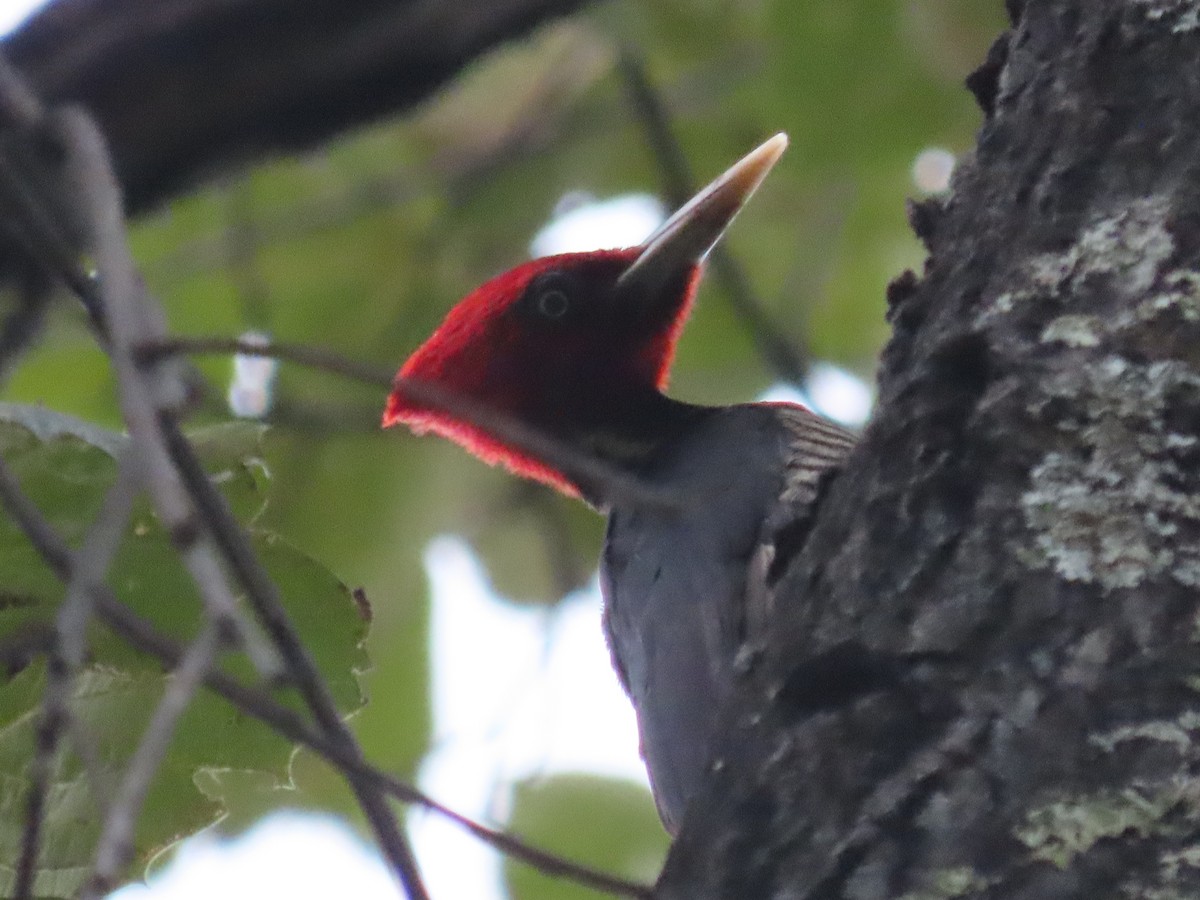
627,433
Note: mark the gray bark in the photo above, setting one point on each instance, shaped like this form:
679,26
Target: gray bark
188,88
985,680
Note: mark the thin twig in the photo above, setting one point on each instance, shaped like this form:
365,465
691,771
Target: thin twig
45,748
312,357
91,561
147,405
134,321
67,656
115,849
144,636
299,412
131,320
141,634
264,598
303,414
99,546
120,291
784,354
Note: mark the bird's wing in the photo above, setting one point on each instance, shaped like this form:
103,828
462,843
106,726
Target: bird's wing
815,448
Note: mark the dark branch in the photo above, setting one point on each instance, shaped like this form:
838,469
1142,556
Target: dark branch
288,79
312,357
67,655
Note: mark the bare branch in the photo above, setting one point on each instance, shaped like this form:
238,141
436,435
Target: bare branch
200,523
312,357
134,321
595,475
165,447
67,656
93,559
44,750
264,597
143,636
115,848
131,320
286,82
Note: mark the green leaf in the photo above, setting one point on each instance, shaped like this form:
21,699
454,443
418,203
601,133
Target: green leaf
46,425
232,453
66,467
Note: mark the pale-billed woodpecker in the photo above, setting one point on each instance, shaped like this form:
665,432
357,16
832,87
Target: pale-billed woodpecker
577,347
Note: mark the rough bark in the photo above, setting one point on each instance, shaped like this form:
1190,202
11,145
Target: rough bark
220,81
986,681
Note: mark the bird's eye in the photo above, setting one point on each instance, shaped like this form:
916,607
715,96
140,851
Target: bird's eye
553,303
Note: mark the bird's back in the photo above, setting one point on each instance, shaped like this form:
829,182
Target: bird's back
675,579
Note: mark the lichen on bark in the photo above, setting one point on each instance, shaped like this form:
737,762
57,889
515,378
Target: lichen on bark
1115,509
985,675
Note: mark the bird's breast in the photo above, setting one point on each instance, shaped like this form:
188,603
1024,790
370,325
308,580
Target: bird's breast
674,583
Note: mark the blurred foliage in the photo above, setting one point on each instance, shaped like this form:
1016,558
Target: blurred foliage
620,833
66,467
363,245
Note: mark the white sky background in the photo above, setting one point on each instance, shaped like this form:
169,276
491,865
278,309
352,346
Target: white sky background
13,12
551,704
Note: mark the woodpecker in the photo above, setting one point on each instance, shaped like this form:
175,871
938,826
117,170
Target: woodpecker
577,347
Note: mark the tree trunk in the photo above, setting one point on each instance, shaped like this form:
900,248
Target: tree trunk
218,82
987,680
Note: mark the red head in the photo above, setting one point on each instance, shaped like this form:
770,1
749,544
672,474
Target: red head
569,344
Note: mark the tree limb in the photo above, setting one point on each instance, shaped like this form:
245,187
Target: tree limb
220,82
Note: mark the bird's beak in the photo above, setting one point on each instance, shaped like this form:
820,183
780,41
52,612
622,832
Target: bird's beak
684,240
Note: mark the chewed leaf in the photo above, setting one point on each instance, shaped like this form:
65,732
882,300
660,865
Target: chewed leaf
46,425
66,467
232,454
